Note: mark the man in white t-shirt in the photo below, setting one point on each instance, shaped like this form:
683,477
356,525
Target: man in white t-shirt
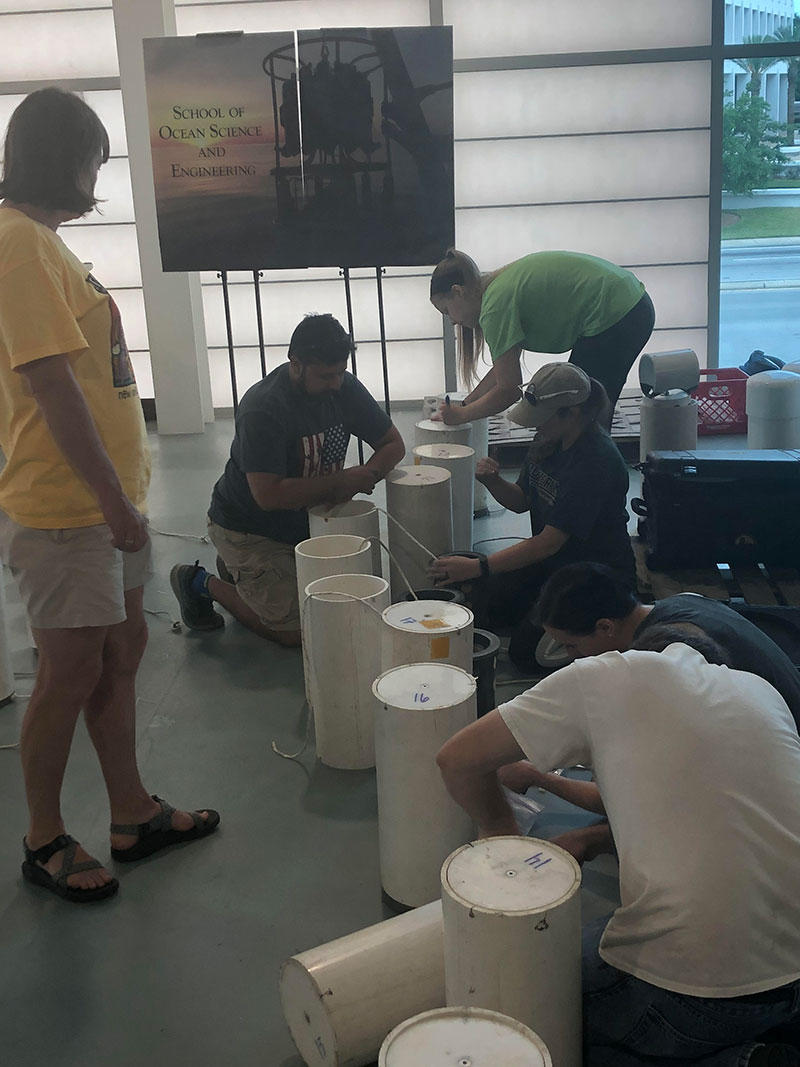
699,769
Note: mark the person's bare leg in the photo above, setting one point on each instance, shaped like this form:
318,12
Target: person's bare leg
69,665
111,721
225,594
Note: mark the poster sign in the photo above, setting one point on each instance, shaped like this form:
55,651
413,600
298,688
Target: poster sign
315,148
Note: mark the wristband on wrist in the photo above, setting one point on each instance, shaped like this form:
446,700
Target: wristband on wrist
484,568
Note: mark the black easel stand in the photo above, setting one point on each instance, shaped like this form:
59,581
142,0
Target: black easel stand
345,272
223,274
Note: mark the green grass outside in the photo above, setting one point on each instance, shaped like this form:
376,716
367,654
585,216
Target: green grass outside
763,222
783,183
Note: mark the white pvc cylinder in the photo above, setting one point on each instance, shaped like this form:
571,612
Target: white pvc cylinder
418,498
773,410
479,440
341,999
419,707
667,424
463,1036
319,557
512,936
359,517
428,631
344,658
6,670
460,461
430,432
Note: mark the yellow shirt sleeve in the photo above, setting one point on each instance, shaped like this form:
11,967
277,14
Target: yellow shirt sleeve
35,318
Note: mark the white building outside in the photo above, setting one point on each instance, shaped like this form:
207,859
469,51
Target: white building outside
758,18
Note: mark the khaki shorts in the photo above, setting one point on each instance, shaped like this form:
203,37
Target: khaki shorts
264,572
71,578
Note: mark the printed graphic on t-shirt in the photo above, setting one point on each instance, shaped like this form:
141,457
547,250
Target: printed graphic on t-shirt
121,366
324,452
546,487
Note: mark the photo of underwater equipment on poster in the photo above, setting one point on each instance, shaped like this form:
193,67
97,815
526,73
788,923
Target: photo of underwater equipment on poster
315,148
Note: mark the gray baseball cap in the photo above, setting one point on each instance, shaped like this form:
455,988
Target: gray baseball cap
554,386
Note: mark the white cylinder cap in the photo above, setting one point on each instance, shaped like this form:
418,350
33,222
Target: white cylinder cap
463,1037
433,617
424,686
773,394
418,475
348,510
510,875
442,427
444,451
329,546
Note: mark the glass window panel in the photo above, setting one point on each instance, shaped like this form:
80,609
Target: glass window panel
741,20
664,231
69,44
299,15
534,27
112,249
143,370
131,308
114,188
50,5
680,294
582,168
407,309
416,369
108,105
582,99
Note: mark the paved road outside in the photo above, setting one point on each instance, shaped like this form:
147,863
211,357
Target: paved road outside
773,262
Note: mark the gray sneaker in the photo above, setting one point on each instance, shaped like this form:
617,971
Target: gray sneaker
197,612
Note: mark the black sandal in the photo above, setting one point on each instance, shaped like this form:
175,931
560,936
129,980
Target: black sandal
57,883
158,833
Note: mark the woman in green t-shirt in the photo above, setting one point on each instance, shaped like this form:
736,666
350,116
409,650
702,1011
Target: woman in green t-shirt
546,302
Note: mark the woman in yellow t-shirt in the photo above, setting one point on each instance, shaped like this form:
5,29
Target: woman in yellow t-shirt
546,302
72,493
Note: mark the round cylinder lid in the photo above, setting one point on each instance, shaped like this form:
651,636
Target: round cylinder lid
418,475
511,875
675,399
424,686
432,617
346,586
328,546
446,450
307,1016
463,1037
348,510
773,394
442,427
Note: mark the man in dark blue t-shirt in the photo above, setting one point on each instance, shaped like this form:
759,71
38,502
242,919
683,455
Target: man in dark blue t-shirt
288,454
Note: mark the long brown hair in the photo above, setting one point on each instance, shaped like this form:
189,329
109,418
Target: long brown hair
457,268
52,141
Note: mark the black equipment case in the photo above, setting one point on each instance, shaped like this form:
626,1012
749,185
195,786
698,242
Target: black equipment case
702,508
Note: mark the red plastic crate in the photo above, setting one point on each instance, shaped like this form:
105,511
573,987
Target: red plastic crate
721,401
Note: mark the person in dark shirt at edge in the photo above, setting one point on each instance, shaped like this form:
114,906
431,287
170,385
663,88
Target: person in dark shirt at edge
586,608
288,454
574,483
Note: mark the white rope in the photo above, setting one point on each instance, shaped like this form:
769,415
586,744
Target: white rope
308,659
204,538
427,551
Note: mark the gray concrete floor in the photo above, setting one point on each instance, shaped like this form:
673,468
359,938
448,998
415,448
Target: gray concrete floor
182,966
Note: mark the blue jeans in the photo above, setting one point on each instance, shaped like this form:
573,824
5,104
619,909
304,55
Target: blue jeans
630,1023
